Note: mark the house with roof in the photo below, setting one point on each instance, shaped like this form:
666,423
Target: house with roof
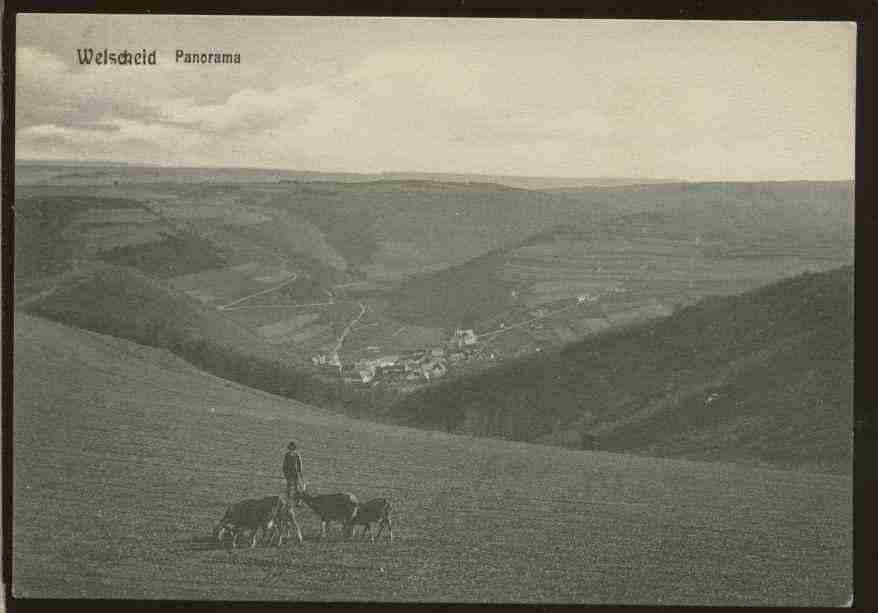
465,338
433,369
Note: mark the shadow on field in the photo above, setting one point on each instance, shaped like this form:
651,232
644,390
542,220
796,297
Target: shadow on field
202,543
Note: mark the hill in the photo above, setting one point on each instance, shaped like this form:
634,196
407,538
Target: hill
461,295
31,172
131,305
125,456
764,377
790,205
670,244
393,228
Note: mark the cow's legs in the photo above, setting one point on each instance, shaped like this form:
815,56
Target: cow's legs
288,529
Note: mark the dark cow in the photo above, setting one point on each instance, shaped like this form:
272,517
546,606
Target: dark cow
253,514
376,511
341,507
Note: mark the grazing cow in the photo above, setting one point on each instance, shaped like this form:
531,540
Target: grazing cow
341,507
376,511
284,522
252,514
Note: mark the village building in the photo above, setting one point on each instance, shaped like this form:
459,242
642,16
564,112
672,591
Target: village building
386,360
391,370
433,369
354,374
374,363
465,337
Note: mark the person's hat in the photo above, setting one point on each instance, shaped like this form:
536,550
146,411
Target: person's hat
292,445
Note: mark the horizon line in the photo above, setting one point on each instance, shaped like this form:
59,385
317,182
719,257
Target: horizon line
191,166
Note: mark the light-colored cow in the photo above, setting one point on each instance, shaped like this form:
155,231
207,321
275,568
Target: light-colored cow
375,511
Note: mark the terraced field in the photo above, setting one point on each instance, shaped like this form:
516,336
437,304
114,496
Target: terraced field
125,457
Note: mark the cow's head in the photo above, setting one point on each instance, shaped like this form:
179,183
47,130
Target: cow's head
219,532
301,492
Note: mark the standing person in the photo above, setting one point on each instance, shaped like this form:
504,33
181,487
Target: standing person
292,470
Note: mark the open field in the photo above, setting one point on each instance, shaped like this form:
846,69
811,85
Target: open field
124,462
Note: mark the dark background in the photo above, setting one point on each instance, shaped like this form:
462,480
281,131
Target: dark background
865,395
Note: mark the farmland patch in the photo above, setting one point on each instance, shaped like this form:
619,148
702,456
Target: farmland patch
105,237
177,254
287,325
126,215
234,214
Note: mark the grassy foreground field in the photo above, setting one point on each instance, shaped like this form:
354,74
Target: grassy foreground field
125,456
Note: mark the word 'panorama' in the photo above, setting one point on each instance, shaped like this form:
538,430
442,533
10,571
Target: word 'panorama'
206,57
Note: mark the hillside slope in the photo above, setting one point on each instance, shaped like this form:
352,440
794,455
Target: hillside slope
391,229
128,304
781,207
125,456
764,377
673,243
458,296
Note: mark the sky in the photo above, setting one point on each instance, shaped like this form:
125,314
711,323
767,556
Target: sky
692,100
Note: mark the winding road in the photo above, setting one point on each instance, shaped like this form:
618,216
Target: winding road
234,303
347,329
521,324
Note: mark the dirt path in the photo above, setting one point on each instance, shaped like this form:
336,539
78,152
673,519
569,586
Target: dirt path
38,296
277,306
494,333
347,329
286,282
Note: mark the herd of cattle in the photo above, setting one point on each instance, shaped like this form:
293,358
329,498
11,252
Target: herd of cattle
275,519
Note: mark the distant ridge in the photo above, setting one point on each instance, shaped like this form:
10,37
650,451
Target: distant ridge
559,184
760,378
280,174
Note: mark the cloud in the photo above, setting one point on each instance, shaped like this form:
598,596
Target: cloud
49,90
248,110
114,139
727,103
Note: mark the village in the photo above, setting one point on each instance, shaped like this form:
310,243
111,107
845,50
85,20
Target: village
417,365
431,363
